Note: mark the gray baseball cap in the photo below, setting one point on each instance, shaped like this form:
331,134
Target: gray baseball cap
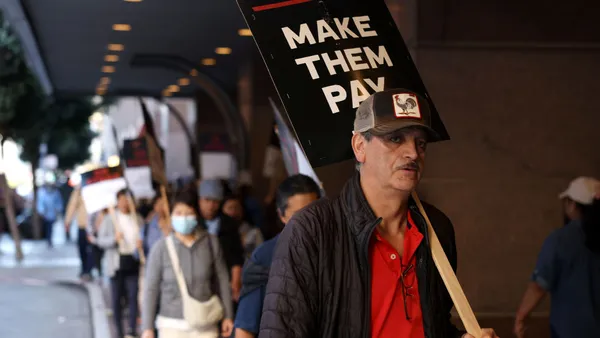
211,189
390,110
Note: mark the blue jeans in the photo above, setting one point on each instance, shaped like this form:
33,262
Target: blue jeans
48,228
125,287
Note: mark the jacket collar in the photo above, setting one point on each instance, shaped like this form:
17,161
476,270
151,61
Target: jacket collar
360,214
361,218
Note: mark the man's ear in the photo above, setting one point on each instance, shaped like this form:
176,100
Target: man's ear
358,146
281,217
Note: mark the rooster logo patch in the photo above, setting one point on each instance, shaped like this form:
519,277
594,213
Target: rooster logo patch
405,105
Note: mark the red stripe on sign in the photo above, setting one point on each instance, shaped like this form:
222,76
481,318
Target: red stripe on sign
279,5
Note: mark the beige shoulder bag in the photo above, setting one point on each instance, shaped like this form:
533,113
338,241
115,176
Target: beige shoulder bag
199,315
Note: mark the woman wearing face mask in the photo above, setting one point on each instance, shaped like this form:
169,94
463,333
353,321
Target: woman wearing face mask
181,272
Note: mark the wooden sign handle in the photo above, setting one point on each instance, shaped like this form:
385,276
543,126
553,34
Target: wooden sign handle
163,195
133,210
449,277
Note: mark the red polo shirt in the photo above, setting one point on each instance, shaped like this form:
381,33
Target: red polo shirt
388,316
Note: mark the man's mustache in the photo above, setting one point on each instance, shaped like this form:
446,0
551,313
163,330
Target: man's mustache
409,166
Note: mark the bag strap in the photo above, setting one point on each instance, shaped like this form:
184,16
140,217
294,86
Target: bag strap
176,267
215,277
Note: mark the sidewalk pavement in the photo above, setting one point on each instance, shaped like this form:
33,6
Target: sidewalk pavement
42,296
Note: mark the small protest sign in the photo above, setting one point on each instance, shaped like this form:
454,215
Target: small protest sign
155,152
137,171
294,158
99,187
325,58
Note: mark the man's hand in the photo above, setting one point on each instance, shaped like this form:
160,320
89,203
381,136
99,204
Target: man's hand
148,334
226,327
485,333
520,328
118,236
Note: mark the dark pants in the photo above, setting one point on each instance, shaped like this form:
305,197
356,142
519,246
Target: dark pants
125,287
96,259
84,249
48,227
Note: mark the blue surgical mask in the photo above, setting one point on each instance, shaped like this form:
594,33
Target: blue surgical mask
184,225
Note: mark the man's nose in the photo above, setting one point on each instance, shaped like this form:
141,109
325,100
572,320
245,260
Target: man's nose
409,149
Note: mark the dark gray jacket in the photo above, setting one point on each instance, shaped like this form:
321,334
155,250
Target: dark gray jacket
320,279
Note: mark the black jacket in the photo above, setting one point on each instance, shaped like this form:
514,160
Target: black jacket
230,241
319,283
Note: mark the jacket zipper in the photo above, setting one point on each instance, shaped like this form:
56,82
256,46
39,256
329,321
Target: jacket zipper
367,275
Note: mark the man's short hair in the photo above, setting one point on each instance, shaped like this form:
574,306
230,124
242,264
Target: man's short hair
295,185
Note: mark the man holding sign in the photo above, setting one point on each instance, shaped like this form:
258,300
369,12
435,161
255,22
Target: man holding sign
360,265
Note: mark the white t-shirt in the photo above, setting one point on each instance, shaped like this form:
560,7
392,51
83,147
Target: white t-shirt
131,233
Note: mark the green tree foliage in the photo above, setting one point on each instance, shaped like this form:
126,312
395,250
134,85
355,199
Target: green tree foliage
31,118
64,127
14,74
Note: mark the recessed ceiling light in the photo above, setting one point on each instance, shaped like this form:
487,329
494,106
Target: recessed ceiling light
245,32
111,58
194,72
223,50
115,47
100,91
105,80
167,93
121,27
183,81
133,0
108,69
209,62
173,88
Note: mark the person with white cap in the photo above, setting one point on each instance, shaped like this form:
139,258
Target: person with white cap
568,268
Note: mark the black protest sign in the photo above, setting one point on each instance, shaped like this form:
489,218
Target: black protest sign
327,56
135,153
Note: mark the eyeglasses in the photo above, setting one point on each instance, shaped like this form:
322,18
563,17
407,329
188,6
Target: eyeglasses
406,289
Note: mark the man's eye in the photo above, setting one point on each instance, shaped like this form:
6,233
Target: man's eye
395,139
422,144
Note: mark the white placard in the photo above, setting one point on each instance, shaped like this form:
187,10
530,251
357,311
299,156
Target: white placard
102,195
216,166
140,181
272,158
304,166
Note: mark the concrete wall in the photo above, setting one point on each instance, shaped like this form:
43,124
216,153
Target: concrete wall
523,123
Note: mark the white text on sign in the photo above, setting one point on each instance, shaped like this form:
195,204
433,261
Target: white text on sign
346,60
